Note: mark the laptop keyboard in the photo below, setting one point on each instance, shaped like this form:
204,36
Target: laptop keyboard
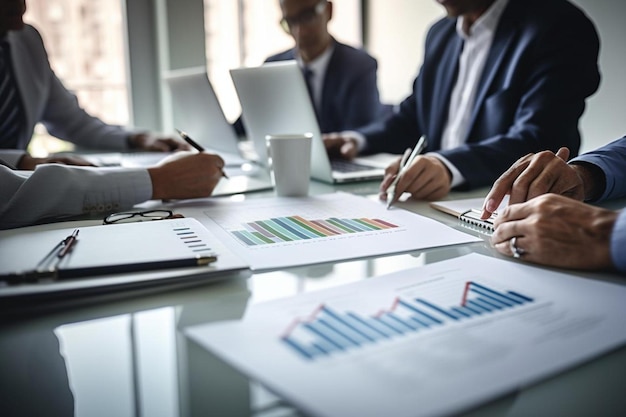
342,165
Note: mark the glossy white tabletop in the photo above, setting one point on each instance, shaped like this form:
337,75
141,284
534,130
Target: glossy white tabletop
124,353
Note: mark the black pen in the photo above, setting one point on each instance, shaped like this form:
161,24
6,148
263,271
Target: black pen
197,146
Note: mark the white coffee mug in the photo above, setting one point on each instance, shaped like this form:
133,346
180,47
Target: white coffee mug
289,158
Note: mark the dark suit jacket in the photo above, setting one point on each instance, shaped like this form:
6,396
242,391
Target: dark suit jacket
541,67
350,92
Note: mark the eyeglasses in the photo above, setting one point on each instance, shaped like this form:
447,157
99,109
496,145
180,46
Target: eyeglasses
137,216
306,17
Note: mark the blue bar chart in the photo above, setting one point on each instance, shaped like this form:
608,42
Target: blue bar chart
297,228
326,331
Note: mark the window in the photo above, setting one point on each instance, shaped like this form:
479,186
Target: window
85,44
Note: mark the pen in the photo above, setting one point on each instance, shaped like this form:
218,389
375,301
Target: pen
46,268
404,164
68,242
197,146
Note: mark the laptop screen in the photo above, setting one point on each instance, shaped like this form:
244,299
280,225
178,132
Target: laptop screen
275,101
197,111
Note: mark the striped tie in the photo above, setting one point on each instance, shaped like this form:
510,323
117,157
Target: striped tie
10,105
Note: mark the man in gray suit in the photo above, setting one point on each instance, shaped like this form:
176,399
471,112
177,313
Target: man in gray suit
31,93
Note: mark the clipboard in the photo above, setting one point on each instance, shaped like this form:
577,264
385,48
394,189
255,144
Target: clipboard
114,256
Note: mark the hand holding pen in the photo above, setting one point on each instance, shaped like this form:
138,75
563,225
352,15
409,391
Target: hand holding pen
405,162
196,145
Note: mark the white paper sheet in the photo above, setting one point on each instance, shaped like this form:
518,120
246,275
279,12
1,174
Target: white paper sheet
546,322
393,231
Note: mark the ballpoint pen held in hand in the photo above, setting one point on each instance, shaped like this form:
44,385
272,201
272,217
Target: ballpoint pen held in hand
196,145
405,162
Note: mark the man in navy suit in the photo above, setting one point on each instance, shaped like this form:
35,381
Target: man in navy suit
342,79
500,79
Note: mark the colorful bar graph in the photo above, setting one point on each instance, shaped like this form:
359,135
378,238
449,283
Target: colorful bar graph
297,228
326,332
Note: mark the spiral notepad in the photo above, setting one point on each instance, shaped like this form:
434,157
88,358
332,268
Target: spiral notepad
468,211
472,216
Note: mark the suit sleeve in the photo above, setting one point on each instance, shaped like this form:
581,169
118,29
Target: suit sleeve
396,132
57,191
62,114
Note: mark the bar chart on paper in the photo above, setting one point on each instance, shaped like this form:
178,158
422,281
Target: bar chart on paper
278,233
326,331
439,339
294,228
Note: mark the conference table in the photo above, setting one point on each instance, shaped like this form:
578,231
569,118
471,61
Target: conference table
124,353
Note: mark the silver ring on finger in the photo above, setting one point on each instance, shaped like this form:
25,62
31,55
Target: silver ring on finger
515,250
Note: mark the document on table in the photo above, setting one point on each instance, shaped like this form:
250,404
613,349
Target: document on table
273,233
433,340
107,257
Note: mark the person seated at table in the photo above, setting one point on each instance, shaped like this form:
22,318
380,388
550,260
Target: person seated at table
341,79
56,191
31,93
500,79
558,228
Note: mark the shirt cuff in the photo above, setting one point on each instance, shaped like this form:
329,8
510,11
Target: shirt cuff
457,177
357,136
618,242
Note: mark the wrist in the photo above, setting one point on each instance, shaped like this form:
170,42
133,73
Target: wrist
155,174
602,223
131,142
26,162
592,178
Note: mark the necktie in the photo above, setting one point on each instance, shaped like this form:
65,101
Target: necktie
308,78
10,105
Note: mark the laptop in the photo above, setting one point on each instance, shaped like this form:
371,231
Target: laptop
275,100
196,110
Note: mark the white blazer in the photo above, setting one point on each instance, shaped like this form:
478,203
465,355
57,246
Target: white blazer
55,191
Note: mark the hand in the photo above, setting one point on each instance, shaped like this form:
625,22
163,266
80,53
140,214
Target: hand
150,142
533,175
187,175
27,162
426,179
557,231
340,145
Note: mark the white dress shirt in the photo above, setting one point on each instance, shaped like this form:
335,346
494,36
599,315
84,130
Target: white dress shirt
476,46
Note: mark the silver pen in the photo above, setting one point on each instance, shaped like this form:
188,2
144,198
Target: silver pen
404,164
